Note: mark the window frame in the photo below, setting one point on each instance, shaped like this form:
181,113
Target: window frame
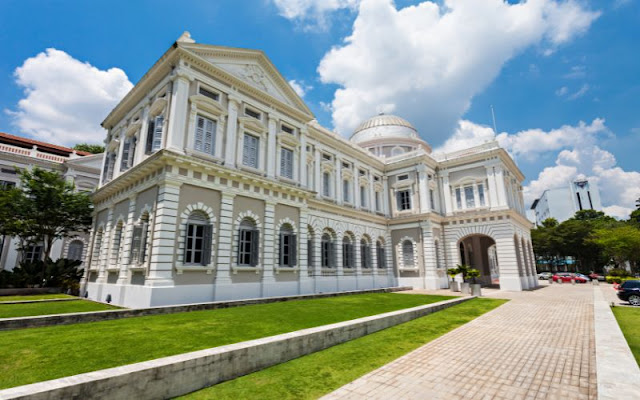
245,146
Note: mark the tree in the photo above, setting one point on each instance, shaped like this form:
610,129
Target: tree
622,243
45,208
89,148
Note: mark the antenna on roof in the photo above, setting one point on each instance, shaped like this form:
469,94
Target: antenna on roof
495,128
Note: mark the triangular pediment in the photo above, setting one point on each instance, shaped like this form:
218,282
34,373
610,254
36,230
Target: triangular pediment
92,161
254,69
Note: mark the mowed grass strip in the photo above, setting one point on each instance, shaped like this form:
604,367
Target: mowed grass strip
38,354
48,308
317,374
629,321
35,297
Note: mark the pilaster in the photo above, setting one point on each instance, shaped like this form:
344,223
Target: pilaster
268,252
338,181
225,239
423,189
105,248
232,132
128,238
302,164
178,111
271,148
385,195
318,181
446,190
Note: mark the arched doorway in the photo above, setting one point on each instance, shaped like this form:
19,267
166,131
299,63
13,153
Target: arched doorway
479,251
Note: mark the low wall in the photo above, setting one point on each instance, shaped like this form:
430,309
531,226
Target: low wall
28,291
38,301
177,375
96,316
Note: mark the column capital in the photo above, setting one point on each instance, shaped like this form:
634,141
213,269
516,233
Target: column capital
233,98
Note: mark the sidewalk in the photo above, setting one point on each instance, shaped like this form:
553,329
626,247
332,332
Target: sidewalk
540,345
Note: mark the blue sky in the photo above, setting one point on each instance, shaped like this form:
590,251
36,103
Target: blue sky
561,75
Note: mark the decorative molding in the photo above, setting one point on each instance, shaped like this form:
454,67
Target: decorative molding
180,266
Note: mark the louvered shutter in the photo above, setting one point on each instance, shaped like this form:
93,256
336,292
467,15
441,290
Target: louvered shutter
206,249
124,162
105,168
209,137
310,252
150,131
132,151
185,254
135,244
333,261
199,134
283,162
281,249
142,254
239,252
293,250
157,133
255,247
245,150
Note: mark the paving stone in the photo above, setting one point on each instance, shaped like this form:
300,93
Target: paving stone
540,345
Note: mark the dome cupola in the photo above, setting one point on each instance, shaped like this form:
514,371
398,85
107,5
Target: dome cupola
388,135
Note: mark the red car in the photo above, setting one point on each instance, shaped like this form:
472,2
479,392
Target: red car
566,277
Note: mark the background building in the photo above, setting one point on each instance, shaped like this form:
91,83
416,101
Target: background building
218,184
562,203
80,168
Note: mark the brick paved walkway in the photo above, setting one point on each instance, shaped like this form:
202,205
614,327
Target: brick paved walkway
540,345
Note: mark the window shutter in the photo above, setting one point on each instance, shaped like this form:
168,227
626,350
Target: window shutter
281,250
124,162
399,200
132,151
255,247
150,131
332,255
293,250
309,252
105,169
185,255
199,134
142,254
245,150
157,133
135,244
206,250
238,258
209,137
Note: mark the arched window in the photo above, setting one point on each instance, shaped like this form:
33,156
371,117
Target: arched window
197,249
365,254
288,247
97,247
116,250
348,259
248,243
380,253
328,252
75,250
139,240
407,254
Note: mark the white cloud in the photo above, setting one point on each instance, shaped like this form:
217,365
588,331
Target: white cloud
562,91
312,14
299,87
429,60
66,99
576,72
581,92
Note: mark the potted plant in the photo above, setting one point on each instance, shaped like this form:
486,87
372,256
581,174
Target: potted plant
464,270
475,287
452,272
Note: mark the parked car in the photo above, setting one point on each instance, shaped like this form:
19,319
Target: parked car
583,276
545,276
597,277
630,291
566,277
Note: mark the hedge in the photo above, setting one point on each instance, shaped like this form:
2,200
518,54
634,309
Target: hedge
620,279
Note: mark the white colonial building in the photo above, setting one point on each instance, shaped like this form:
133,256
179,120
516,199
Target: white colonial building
218,183
77,167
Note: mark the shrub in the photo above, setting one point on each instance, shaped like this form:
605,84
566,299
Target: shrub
618,272
619,279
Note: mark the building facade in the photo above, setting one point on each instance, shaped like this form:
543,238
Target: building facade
80,168
218,184
562,203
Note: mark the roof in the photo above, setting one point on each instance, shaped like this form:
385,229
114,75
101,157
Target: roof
42,146
383,120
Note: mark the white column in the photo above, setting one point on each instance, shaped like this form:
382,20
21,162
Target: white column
493,191
141,145
500,186
271,148
448,205
355,199
268,248
127,237
385,195
476,196
302,164
232,132
105,248
178,112
163,240
118,163
318,173
338,181
372,194
225,239
429,258
423,189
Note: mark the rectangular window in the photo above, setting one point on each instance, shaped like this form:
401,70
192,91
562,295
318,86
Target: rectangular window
363,196
404,200
403,177
382,261
470,201
326,157
286,163
326,184
154,134
347,255
198,244
250,151
205,139
481,194
128,153
433,204
287,129
33,253
310,253
345,191
287,250
458,199
252,113
5,185
209,94
248,243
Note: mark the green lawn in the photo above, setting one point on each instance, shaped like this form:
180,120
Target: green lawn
53,307
35,297
629,321
317,374
33,355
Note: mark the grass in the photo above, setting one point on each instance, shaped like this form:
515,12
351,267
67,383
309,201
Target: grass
629,321
35,297
317,374
38,354
47,308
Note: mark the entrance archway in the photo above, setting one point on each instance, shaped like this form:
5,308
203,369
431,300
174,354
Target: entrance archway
479,251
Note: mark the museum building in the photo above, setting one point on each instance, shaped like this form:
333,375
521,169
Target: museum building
218,183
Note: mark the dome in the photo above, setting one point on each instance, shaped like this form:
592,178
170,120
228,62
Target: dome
388,135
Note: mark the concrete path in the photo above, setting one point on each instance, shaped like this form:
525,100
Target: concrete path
540,345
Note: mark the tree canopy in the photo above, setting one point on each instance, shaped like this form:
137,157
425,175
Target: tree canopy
89,148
